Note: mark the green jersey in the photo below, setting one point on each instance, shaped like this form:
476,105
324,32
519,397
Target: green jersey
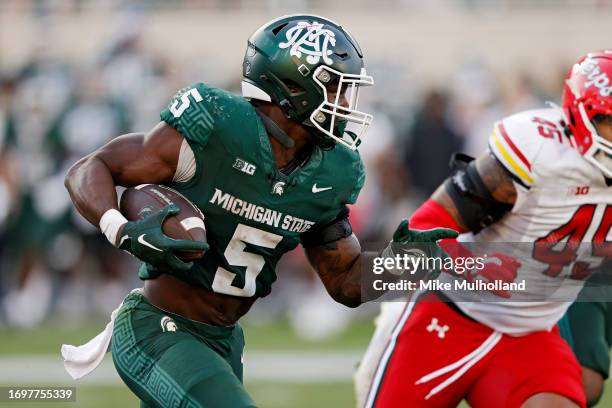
253,212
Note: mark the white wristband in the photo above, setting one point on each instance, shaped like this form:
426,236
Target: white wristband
110,223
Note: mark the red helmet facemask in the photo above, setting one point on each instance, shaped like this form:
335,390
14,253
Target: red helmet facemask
588,93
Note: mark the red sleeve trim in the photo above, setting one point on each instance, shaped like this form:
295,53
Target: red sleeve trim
515,149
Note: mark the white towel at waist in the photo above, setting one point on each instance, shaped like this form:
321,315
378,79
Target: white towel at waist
82,360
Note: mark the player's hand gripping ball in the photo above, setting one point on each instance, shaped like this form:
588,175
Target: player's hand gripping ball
165,229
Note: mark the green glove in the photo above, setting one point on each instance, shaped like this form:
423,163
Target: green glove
416,243
404,234
146,240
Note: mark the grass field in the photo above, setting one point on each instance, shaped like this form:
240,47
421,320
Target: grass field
266,395
44,342
48,338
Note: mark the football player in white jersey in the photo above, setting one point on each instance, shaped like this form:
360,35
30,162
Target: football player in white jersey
546,178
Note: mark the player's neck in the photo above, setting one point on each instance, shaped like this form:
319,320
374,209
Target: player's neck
301,139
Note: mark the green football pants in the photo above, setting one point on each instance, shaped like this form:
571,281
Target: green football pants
591,333
169,361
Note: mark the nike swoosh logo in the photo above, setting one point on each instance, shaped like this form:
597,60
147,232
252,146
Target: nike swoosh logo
316,189
145,243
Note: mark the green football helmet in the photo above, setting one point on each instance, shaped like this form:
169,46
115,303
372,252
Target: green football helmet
292,60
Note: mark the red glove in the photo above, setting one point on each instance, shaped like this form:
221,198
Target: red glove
498,266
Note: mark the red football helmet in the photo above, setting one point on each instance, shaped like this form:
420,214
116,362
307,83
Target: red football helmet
588,93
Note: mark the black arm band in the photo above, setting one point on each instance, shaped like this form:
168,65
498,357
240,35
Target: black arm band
477,208
338,228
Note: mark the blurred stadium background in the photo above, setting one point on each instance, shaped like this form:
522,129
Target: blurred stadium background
76,73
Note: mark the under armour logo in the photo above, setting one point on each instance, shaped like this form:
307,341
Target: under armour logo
434,326
311,39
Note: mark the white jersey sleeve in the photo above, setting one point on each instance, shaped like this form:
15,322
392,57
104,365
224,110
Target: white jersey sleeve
517,140
560,197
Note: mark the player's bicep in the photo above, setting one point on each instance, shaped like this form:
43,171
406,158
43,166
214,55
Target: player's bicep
478,192
496,178
143,158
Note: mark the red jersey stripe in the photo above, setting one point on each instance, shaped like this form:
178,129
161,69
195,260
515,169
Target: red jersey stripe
515,149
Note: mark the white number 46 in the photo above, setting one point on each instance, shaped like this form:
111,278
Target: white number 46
180,105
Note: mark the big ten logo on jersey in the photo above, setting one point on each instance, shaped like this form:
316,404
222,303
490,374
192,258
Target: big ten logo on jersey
244,166
578,190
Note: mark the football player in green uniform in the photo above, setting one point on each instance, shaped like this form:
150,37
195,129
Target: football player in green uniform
269,170
587,327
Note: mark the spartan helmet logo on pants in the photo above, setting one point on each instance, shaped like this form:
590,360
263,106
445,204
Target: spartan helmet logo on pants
167,324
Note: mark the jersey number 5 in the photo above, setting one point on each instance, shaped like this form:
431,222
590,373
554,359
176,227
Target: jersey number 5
236,256
180,105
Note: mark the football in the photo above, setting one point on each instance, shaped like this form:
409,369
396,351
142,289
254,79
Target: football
140,201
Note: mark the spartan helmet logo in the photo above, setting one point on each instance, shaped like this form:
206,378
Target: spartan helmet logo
310,39
167,324
278,188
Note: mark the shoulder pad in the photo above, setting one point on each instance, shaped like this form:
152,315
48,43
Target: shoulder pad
517,140
198,110
355,171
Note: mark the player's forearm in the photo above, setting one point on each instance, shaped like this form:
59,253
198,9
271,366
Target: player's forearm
91,187
351,289
345,284
338,264
441,197
341,270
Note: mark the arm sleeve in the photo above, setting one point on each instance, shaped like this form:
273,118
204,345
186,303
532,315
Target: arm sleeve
336,229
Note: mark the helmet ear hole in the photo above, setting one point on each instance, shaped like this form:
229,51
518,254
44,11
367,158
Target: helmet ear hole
278,28
572,119
293,87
